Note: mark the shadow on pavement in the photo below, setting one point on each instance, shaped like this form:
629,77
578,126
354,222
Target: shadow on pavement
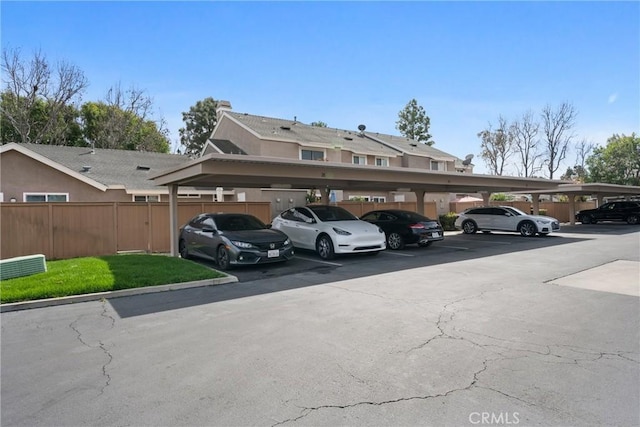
306,269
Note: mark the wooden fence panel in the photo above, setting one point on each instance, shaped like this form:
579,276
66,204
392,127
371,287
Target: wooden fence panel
133,227
25,230
83,230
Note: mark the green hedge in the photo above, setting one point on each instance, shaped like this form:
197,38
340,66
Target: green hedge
447,221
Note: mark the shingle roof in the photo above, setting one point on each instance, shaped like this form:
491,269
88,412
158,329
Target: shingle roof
130,169
411,146
307,135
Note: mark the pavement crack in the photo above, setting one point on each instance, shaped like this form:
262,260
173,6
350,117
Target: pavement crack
100,345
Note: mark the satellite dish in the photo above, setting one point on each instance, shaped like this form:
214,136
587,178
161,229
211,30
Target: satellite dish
361,128
467,160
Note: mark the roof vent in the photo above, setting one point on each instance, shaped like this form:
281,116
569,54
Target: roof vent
285,127
143,168
348,138
413,144
86,168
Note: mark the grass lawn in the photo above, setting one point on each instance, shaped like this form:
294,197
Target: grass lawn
99,274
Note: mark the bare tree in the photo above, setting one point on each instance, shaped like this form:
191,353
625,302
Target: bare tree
525,145
557,128
38,95
496,146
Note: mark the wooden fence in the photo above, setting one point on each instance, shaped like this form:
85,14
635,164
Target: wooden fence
69,230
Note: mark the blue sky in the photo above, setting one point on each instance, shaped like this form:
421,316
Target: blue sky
347,63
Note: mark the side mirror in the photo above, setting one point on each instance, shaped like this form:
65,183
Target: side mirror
309,220
269,225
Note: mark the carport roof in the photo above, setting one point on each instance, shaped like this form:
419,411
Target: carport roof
606,190
229,170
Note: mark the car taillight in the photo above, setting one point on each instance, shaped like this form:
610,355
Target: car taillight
418,225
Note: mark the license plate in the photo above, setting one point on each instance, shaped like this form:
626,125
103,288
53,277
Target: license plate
274,253
436,234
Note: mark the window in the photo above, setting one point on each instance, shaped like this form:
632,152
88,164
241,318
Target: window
435,165
146,198
359,160
46,197
188,196
382,161
311,155
379,199
359,198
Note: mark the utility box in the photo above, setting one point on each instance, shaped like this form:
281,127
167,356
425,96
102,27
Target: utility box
22,266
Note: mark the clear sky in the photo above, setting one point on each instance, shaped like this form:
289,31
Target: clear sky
351,63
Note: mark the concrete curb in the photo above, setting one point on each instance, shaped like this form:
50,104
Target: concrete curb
114,294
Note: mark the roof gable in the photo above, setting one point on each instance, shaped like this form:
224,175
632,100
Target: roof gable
101,168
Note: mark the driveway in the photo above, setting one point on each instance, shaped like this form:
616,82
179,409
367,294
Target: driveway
479,330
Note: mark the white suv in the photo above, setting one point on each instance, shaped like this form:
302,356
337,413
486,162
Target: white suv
505,218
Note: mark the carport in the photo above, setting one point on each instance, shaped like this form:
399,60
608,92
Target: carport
230,170
597,190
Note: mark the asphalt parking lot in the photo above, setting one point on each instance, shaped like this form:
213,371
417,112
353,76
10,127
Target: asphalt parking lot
487,329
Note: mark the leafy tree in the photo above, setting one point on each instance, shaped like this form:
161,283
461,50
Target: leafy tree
37,98
319,124
199,121
556,128
496,146
414,123
618,162
123,121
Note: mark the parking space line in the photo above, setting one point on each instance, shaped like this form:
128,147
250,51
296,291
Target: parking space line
453,247
397,253
319,261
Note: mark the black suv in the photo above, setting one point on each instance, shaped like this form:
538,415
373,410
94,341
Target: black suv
612,211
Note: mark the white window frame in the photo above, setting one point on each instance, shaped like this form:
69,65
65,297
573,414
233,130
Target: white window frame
439,165
383,160
379,199
189,196
324,154
359,157
148,198
46,197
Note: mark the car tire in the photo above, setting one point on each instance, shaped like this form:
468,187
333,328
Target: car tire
425,244
633,219
324,247
395,241
585,219
527,229
469,227
224,262
182,248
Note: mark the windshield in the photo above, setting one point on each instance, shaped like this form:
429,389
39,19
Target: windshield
332,213
238,223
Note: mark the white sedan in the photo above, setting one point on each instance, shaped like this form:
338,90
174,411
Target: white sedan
329,230
505,218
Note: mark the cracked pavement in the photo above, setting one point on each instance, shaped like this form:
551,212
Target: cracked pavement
433,345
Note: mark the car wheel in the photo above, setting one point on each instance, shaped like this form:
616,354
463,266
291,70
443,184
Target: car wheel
632,219
324,247
585,219
223,258
527,229
182,248
469,227
425,244
395,241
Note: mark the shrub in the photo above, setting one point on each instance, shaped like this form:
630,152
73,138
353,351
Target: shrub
447,221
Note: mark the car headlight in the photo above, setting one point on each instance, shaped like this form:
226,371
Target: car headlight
243,245
542,221
341,231
380,230
287,242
